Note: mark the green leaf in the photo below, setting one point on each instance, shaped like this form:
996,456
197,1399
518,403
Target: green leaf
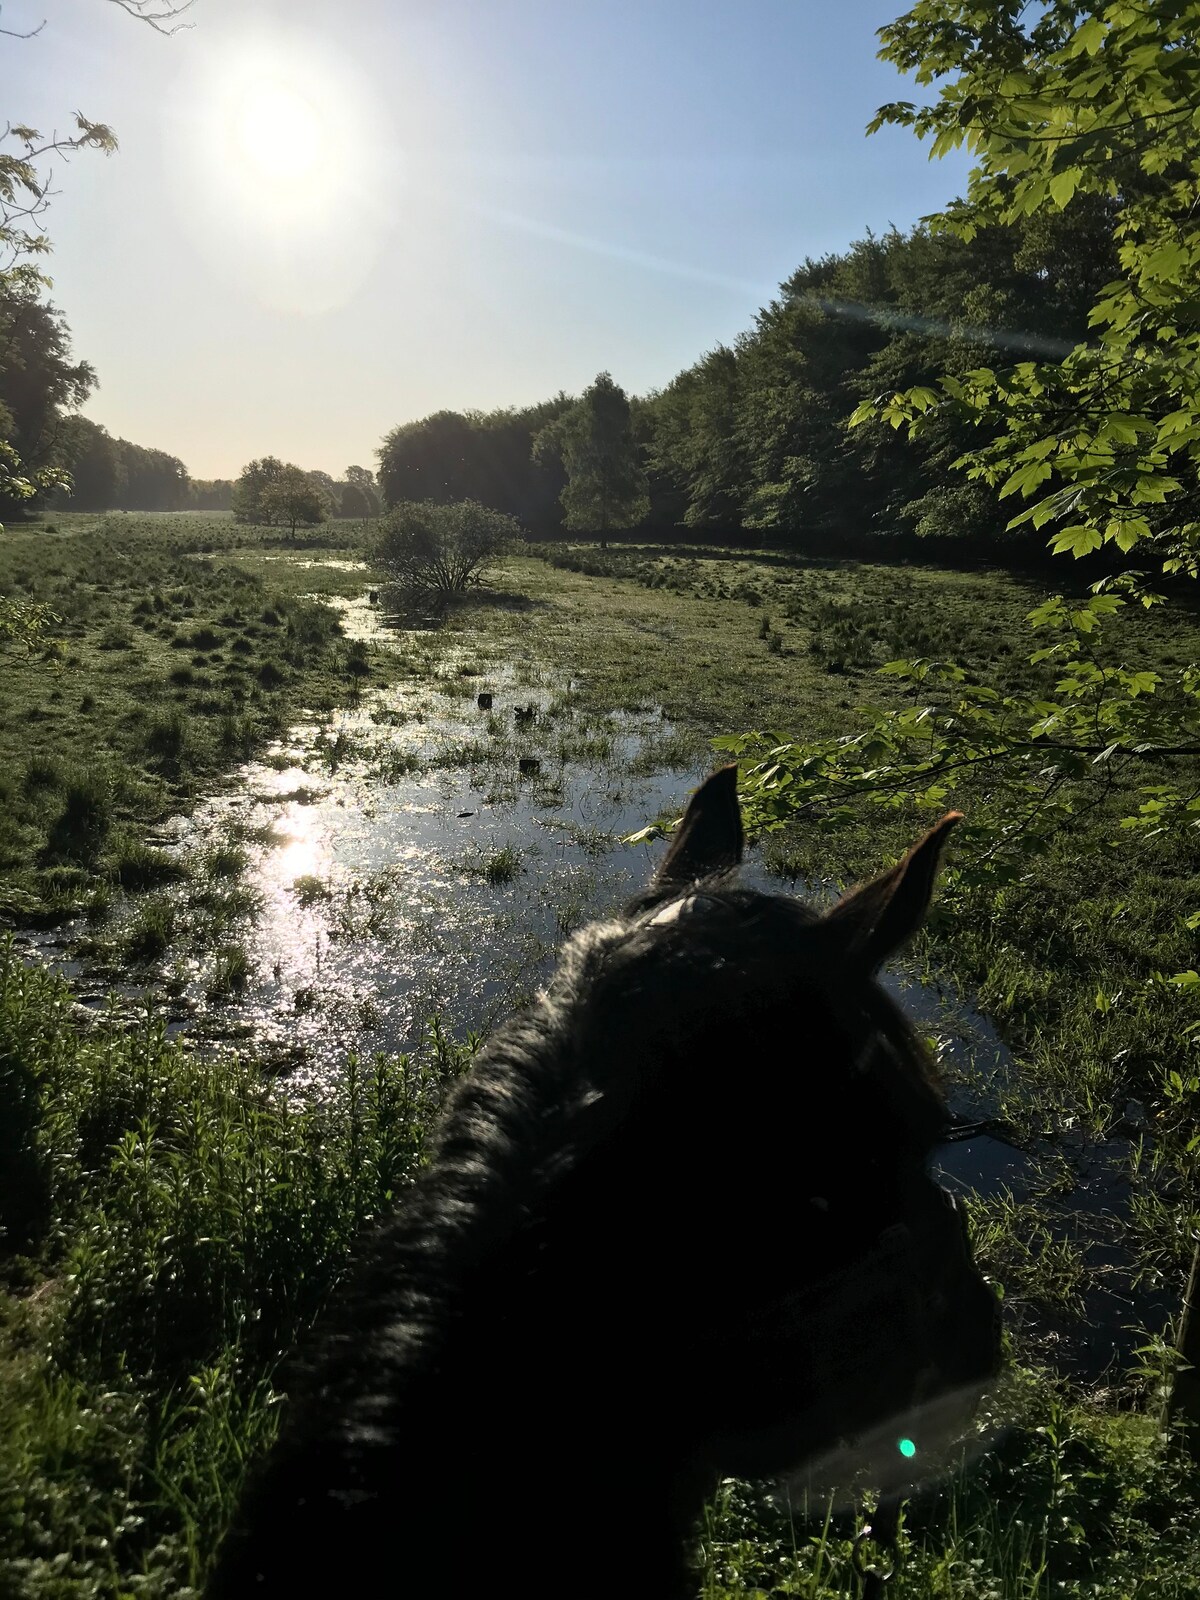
1078,541
1064,184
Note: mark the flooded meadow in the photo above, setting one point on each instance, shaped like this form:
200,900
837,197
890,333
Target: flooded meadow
416,859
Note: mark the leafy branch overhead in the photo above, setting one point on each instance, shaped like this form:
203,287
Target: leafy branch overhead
1064,105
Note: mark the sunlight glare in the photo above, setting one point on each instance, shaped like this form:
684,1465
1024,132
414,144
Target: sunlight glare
286,175
279,132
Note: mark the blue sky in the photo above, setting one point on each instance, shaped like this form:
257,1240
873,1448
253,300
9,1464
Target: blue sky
327,219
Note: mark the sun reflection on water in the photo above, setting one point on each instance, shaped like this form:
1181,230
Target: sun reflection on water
303,853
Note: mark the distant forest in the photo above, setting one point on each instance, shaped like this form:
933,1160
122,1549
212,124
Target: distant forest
753,442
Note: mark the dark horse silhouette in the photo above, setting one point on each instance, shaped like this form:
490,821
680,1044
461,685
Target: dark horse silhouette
677,1224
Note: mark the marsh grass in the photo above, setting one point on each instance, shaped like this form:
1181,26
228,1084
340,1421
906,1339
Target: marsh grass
199,1224
231,973
80,829
134,599
149,935
226,859
138,866
497,867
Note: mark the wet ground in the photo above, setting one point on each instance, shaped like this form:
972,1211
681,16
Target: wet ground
422,854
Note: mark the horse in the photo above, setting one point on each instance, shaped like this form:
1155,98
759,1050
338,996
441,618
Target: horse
677,1224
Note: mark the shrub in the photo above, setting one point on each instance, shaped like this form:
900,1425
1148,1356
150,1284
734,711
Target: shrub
431,549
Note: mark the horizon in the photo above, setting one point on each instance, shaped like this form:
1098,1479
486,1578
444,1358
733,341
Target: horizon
290,256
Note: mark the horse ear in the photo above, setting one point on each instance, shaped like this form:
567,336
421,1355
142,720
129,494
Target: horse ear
709,836
875,919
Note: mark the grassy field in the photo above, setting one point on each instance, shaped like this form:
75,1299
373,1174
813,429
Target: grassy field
169,664
177,1224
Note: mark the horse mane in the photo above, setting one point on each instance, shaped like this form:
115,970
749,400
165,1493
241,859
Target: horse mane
711,1083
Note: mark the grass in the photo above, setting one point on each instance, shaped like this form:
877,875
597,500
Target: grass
497,867
131,594
198,1224
231,973
136,1344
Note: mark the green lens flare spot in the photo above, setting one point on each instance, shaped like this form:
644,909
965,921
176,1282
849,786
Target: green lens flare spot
907,1448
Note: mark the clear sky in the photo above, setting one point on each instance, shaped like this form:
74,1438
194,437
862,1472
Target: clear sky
330,216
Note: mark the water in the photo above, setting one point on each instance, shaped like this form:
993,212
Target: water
403,865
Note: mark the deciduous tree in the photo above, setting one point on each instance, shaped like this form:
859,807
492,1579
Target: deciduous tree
293,496
606,486
1101,441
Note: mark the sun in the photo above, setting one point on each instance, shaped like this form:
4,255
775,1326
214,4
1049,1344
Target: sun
278,132
279,141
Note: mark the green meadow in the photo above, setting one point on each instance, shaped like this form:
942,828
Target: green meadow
180,1216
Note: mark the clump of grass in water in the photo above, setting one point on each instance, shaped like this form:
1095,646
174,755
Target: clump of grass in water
495,867
503,866
231,973
311,890
226,860
221,905
358,659
151,931
138,866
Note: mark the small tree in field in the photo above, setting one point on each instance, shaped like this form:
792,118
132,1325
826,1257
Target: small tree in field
294,497
606,487
249,490
442,550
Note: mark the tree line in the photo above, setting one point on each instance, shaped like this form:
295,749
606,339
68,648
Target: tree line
755,439
70,463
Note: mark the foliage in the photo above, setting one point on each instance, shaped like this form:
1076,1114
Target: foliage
483,456
359,495
33,355
250,489
26,623
294,497
1095,100
1064,101
606,487
107,473
694,439
437,549
38,381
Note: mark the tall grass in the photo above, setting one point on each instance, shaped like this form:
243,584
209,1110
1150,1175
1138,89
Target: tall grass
189,1224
